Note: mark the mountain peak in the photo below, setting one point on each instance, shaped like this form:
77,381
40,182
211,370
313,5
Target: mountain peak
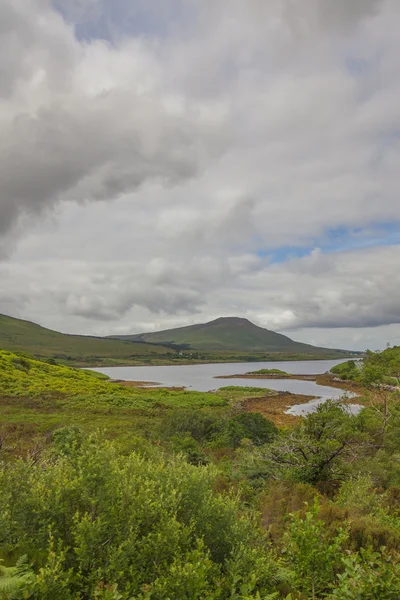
230,321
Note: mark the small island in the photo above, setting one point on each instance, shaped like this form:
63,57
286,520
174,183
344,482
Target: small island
270,372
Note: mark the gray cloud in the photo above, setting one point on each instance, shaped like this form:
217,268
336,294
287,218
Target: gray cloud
105,129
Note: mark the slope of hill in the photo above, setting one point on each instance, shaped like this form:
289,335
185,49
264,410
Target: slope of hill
17,335
231,334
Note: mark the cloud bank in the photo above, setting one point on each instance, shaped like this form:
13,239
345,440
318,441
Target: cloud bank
169,162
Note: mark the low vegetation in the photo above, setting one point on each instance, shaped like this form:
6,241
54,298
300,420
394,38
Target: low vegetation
118,493
25,377
273,372
237,391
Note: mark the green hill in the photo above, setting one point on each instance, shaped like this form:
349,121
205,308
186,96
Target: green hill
70,388
231,334
17,335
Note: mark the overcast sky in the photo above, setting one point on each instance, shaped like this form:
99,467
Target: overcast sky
167,162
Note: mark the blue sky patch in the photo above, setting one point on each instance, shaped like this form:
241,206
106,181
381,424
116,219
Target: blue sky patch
339,239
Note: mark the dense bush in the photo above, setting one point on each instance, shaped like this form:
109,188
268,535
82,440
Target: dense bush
251,426
219,429
201,425
92,518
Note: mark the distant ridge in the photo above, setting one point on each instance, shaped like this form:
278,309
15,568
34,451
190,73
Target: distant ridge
17,335
230,334
226,338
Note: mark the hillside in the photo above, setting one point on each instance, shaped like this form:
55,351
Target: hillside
17,335
230,334
62,386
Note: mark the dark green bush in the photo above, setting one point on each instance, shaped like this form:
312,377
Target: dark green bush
252,426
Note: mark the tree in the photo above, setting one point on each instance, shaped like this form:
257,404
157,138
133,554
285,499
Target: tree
319,449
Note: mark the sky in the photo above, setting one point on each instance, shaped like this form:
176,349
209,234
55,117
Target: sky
168,162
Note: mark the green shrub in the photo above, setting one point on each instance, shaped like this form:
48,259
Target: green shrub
93,518
202,425
347,371
368,576
314,556
252,426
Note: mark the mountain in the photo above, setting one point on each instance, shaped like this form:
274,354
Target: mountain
230,334
17,335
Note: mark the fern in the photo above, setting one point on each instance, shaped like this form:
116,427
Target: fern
17,579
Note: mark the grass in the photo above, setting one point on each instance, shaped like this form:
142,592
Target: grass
238,391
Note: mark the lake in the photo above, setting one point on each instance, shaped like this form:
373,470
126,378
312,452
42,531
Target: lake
202,378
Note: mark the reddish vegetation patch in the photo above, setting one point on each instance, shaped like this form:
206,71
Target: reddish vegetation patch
330,380
273,407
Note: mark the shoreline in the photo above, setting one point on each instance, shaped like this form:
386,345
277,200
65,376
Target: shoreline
212,360
324,379
274,407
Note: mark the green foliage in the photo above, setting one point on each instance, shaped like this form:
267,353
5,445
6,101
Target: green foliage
251,426
17,582
368,575
67,439
94,519
219,430
190,448
170,509
318,449
349,371
376,368
313,557
382,367
202,425
357,493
